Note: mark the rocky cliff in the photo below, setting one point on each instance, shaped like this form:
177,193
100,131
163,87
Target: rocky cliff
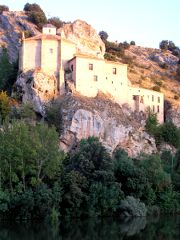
85,36
114,125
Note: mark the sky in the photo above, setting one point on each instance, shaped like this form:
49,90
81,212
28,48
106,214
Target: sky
147,22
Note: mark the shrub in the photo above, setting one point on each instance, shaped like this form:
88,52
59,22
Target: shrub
35,14
156,88
132,43
163,65
4,105
151,123
131,206
56,22
103,35
3,8
37,18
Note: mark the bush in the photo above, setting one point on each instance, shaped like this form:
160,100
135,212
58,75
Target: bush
35,14
156,88
163,65
132,43
103,35
37,18
4,105
3,8
8,72
55,21
133,207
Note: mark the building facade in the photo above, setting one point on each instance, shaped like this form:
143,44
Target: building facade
89,74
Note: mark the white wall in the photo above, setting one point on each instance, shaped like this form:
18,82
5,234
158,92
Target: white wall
31,57
50,55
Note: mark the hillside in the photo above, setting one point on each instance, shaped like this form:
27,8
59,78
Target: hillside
147,67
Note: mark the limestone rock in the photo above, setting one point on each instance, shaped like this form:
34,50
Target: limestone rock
12,24
173,115
37,88
86,38
109,123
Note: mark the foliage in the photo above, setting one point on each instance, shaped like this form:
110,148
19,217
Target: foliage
54,115
156,88
4,105
3,8
8,72
151,123
56,22
131,206
103,35
166,132
165,45
35,14
132,43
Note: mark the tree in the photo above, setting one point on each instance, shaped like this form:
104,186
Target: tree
56,22
103,35
163,45
8,72
4,106
35,14
3,8
132,43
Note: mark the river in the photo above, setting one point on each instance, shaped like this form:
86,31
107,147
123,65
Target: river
164,228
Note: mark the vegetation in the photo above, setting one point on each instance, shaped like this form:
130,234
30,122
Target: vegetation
4,106
8,72
37,180
3,8
56,22
169,45
35,14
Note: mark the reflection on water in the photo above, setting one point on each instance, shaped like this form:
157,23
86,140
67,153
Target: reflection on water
166,228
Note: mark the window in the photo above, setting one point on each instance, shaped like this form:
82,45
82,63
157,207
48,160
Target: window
158,109
90,66
49,30
158,99
114,71
152,98
142,99
51,50
72,67
95,78
153,109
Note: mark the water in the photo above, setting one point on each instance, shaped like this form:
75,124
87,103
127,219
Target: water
164,228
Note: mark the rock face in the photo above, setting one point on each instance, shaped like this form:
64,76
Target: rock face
12,24
173,115
106,120
86,38
37,88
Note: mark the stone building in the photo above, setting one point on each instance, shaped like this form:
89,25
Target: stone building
87,74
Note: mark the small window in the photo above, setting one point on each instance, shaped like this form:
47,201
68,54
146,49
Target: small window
158,109
51,50
152,98
158,99
142,99
49,30
72,67
90,66
114,71
153,109
95,78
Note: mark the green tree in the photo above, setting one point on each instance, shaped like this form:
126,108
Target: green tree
56,22
3,8
8,72
4,105
103,35
35,14
163,45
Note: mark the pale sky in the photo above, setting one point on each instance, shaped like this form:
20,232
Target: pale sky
147,22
